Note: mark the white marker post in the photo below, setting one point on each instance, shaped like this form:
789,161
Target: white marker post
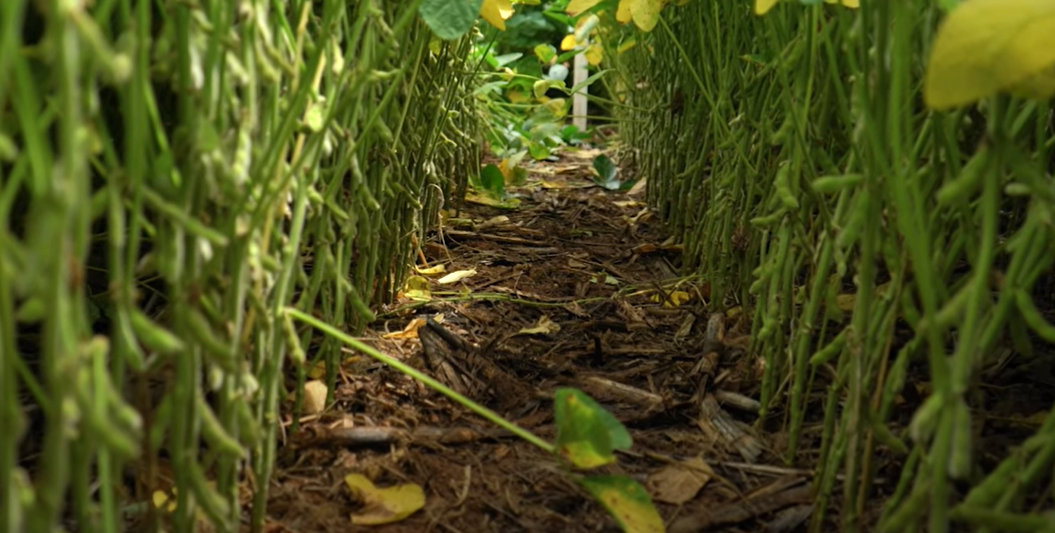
581,72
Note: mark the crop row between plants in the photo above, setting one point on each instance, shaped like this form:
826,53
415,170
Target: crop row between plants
172,177
854,177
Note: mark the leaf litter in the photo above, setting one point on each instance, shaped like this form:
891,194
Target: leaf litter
578,287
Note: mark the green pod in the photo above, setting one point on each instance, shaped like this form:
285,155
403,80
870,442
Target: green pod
216,349
967,183
960,463
768,220
160,424
212,504
780,136
925,420
296,352
784,189
851,231
883,435
834,184
214,432
360,305
153,335
1032,316
31,311
247,425
832,349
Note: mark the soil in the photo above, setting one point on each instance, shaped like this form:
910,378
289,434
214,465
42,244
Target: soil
634,335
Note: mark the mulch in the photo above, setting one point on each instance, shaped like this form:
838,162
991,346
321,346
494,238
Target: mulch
629,332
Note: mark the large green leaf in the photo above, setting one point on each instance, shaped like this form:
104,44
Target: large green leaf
450,19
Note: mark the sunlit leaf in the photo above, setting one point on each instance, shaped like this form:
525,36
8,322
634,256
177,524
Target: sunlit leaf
594,54
644,13
568,42
627,501
545,52
587,434
987,46
496,12
578,6
384,506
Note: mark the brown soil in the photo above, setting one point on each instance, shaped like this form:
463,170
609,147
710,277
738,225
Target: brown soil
593,262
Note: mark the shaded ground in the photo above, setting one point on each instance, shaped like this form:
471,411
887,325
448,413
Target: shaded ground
594,263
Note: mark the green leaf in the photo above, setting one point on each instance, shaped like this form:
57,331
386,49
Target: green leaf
627,501
505,59
587,434
605,173
450,19
988,46
493,181
545,52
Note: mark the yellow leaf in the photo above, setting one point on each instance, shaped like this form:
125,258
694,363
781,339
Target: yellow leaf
517,97
644,13
622,14
594,54
578,6
626,45
409,332
557,107
568,42
495,12
763,6
438,269
384,506
852,4
455,277
987,46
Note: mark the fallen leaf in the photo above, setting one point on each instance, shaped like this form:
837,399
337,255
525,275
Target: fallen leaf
417,288
493,221
544,326
409,332
679,483
457,276
431,271
383,505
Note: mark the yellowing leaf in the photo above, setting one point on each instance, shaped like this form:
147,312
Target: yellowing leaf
556,106
417,288
517,97
594,54
578,6
763,6
495,12
409,332
852,4
622,14
568,42
384,506
987,46
438,269
457,276
676,298
644,13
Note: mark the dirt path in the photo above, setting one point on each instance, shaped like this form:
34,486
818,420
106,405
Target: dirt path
593,263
